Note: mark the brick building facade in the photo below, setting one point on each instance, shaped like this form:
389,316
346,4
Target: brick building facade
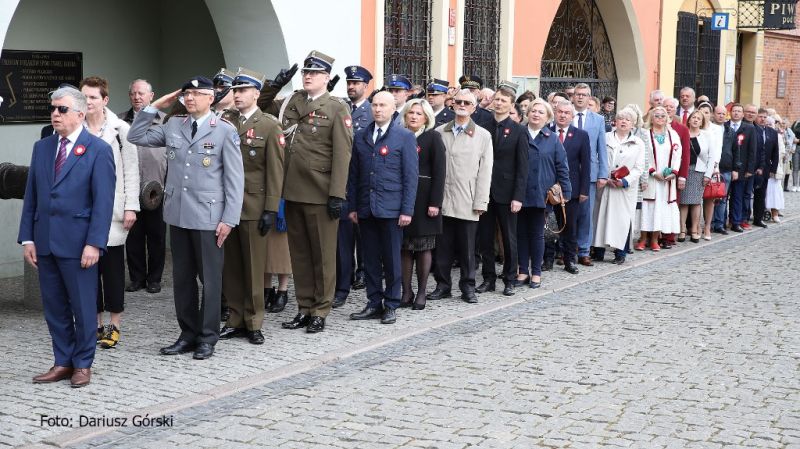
781,49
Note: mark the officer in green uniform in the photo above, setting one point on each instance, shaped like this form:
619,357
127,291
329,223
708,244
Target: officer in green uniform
262,149
319,134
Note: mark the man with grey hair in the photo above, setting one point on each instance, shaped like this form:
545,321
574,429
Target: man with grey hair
146,244
66,218
466,197
686,100
656,98
485,98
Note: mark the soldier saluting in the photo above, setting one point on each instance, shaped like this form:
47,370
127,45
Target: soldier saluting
319,134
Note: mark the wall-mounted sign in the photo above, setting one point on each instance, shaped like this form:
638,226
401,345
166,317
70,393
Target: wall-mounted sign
452,21
720,21
28,77
779,14
781,93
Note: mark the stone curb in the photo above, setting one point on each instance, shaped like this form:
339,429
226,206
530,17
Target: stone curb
73,437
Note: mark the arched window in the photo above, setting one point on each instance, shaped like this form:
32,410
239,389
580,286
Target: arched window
482,40
578,51
407,44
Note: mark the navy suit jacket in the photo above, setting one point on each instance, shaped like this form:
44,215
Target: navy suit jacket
510,166
383,175
747,139
548,165
768,152
579,158
61,217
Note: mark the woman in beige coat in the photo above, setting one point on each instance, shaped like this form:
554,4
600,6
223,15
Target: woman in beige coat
103,123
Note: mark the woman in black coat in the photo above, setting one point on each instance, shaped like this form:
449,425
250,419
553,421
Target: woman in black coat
419,237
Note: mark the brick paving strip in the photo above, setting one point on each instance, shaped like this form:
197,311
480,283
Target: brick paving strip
350,339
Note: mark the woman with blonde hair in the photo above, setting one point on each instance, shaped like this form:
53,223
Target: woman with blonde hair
702,154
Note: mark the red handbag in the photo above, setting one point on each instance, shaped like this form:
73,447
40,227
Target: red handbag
715,189
620,172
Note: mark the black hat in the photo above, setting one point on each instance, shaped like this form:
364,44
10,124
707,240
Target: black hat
399,82
357,73
317,61
470,82
224,77
198,82
438,87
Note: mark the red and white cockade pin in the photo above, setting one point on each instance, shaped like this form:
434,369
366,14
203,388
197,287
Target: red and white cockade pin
741,138
80,149
675,147
507,131
418,149
282,140
384,151
348,122
569,134
470,132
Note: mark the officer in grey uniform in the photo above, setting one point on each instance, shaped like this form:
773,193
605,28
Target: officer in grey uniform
436,93
358,79
202,203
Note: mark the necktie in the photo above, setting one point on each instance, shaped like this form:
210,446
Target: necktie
378,137
580,120
459,128
497,133
62,155
352,108
194,128
685,113
561,135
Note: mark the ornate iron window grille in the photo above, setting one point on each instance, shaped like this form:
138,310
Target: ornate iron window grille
407,44
482,40
751,14
578,51
697,66
708,61
686,52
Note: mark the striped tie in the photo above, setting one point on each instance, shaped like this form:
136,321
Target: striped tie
62,155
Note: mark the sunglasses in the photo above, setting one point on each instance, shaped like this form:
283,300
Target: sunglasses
61,109
462,102
660,115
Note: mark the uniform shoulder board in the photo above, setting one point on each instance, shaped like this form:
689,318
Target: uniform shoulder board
274,119
340,100
179,116
226,121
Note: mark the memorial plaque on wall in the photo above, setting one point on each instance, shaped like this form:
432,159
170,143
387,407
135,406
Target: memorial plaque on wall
28,77
781,84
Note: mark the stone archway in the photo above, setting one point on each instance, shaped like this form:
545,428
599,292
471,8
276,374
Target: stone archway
626,41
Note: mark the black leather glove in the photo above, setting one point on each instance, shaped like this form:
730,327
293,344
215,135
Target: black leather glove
375,92
422,94
283,77
334,207
332,83
267,220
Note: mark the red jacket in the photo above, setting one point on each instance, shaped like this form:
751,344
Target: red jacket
683,133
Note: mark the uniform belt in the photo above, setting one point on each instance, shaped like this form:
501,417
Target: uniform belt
422,176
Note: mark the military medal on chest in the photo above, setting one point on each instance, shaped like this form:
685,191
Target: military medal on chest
171,155
250,134
206,161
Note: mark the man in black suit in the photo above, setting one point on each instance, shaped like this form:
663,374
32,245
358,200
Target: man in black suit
576,143
767,158
747,141
509,179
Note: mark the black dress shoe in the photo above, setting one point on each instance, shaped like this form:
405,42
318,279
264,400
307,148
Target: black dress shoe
338,301
760,224
179,347
299,321
369,313
438,294
269,297
153,287
571,268
360,283
225,314
486,286
547,265
255,337
281,298
227,332
317,324
721,231
522,282
737,228
388,316
509,289
535,284
666,245
203,351
135,286
618,260
469,297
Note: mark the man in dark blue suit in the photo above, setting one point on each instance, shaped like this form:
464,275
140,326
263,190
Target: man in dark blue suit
509,180
66,217
579,159
348,237
767,160
382,189
748,147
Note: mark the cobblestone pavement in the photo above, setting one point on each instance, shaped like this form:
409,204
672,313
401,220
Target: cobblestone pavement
698,349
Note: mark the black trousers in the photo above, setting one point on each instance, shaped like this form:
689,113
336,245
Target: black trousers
498,214
195,254
146,246
760,199
345,262
456,234
568,238
111,280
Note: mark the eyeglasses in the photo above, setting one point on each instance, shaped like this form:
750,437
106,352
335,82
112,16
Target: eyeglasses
462,102
191,93
61,109
580,95
659,115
